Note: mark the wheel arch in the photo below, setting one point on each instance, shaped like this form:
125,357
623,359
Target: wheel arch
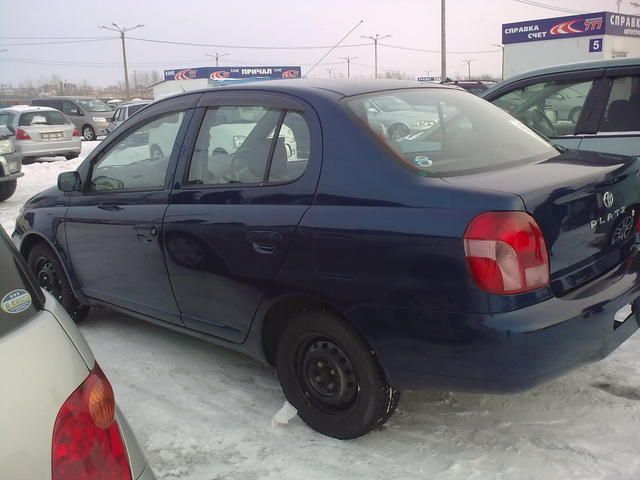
284,310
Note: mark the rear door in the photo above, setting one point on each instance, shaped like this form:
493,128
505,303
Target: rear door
249,177
113,228
618,129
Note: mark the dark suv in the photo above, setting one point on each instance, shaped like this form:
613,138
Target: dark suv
471,255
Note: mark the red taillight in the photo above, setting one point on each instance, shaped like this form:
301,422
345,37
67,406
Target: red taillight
76,132
87,444
506,252
22,135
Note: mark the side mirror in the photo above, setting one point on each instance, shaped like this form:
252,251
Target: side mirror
69,182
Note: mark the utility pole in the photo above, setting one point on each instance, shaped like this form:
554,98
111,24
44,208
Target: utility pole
618,3
122,31
443,44
468,62
375,49
330,70
502,48
217,57
348,59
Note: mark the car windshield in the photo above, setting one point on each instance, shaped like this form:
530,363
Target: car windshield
93,105
47,117
468,136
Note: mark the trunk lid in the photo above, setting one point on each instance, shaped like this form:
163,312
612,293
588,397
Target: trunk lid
587,205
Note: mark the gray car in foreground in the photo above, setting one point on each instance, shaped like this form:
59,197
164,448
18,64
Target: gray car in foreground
58,416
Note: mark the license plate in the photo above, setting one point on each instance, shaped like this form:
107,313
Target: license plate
623,314
49,136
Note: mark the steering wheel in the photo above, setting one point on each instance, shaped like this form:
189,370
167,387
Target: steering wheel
539,122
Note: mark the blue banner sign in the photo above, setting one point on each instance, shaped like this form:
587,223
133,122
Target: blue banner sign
554,28
589,24
233,73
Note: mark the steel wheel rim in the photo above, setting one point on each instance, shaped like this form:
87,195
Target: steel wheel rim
48,278
326,376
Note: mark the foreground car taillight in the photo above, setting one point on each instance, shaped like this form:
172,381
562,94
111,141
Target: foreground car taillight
87,444
76,132
506,252
22,135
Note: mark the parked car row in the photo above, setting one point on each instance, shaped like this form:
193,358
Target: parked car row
468,253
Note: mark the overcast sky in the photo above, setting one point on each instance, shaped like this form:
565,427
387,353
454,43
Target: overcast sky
472,25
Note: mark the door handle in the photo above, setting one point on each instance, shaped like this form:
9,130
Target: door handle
146,233
110,207
265,242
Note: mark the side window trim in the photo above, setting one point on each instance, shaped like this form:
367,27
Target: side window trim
173,159
272,147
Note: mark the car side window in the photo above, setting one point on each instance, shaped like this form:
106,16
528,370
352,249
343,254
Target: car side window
291,153
139,159
233,145
550,108
70,108
623,107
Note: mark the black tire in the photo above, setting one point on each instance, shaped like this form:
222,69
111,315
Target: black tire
71,156
49,273
28,160
574,114
331,376
88,133
156,152
398,130
7,189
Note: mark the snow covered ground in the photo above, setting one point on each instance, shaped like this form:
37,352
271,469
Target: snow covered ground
202,412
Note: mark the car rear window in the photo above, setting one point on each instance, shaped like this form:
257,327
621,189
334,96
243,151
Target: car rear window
48,117
20,298
445,132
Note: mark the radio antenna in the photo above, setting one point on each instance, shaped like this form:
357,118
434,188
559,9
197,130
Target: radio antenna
332,49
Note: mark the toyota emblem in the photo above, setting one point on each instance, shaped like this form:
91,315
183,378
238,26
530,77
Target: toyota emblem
607,199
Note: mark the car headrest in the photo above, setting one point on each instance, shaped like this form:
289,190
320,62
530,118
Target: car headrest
620,115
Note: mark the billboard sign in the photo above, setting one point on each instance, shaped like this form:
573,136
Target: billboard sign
554,28
623,25
234,73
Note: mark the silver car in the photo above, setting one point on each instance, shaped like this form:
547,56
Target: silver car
41,132
398,117
59,418
90,115
124,111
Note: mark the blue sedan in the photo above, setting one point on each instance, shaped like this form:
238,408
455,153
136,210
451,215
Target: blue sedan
471,256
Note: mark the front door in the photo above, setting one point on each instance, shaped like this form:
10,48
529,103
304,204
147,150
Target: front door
252,176
114,228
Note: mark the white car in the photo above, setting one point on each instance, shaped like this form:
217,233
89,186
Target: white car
58,415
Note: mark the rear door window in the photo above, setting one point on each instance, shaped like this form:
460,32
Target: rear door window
551,108
622,113
20,298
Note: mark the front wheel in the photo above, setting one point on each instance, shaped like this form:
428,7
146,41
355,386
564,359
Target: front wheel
330,375
49,273
88,133
398,130
72,155
7,189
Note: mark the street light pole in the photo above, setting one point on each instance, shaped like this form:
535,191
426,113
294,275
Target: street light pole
375,49
122,31
443,44
217,56
348,59
502,48
468,62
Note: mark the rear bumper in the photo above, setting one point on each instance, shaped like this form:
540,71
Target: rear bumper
27,148
504,352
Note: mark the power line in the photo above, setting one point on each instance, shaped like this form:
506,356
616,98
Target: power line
247,47
61,42
547,6
424,50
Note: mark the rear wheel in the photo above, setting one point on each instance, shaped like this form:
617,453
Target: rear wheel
88,133
329,374
574,114
72,155
28,160
7,189
398,130
46,267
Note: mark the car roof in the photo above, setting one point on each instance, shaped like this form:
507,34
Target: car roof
27,109
138,102
571,67
67,97
334,88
